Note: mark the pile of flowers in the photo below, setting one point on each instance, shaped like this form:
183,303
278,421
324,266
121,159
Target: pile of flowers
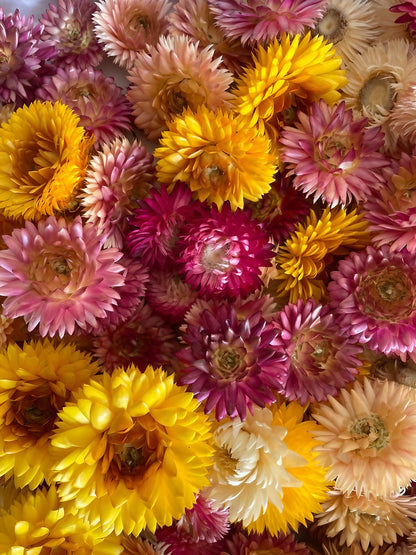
208,278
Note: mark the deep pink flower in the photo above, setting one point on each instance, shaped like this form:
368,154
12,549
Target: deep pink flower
259,21
408,11
224,253
230,363
56,275
322,358
332,156
68,25
373,293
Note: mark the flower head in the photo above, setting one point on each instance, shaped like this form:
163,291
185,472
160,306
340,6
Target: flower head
22,57
68,26
173,75
128,467
265,470
261,22
218,155
367,438
332,156
37,379
43,158
57,276
118,175
407,10
223,253
373,293
125,27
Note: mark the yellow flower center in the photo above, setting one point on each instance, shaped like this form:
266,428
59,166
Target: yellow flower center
225,460
378,94
371,431
215,168
333,25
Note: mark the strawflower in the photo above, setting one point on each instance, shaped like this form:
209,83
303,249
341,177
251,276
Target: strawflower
367,438
239,542
58,277
173,75
43,157
407,10
138,456
333,548
37,379
218,155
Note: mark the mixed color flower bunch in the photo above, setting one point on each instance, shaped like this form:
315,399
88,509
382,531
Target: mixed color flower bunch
208,278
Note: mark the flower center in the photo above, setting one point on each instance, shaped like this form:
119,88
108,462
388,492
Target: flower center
377,95
214,170
333,25
214,175
215,257
225,460
313,352
176,102
387,294
140,22
229,362
372,429
37,415
60,266
74,32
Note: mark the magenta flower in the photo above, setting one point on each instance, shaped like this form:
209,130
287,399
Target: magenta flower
332,156
224,253
408,17
373,293
22,57
322,358
68,25
56,275
230,363
259,21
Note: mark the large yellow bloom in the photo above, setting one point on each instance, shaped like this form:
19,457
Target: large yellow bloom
35,382
301,260
43,158
218,155
133,449
305,67
37,523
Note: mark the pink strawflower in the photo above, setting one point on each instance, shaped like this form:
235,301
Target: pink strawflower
391,211
156,224
100,104
280,209
143,339
230,363
224,253
169,295
257,21
373,293
56,275
68,25
173,75
125,27
118,175
194,19
23,57
408,17
332,156
239,542
322,358
201,523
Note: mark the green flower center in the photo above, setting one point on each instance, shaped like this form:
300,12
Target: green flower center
373,428
333,25
229,362
378,94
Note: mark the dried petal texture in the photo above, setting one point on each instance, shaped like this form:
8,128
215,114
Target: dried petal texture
132,450
305,67
124,27
22,57
332,156
173,75
301,259
118,175
218,155
387,24
322,358
368,436
373,294
258,21
224,252
265,471
58,277
37,379
240,543
333,548
392,210
371,521
407,11
68,25
100,104
38,523
231,362
43,157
